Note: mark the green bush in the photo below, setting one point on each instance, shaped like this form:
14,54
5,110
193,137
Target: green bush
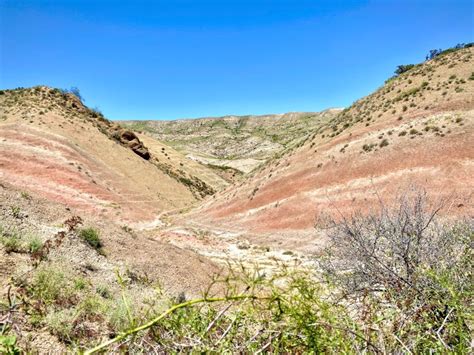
91,237
34,244
10,240
404,68
8,345
50,285
61,324
11,244
80,283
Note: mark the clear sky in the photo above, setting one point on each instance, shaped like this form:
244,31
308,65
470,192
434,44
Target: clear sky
190,58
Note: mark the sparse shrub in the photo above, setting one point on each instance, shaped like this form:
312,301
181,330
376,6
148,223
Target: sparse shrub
128,230
50,285
96,113
406,94
34,244
403,68
413,131
402,133
61,323
123,315
80,283
75,91
91,237
11,243
103,291
16,211
405,266
71,325
25,195
383,143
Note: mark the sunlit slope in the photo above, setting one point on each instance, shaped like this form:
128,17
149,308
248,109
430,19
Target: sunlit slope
417,129
51,144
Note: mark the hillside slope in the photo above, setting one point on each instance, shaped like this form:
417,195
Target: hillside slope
176,161
77,194
236,142
51,144
415,130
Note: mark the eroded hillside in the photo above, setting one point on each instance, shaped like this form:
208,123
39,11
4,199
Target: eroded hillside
76,194
415,130
238,143
51,144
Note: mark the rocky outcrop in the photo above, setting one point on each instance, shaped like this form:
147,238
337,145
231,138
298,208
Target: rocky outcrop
129,139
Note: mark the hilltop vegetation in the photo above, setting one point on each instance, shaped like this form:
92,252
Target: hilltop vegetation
415,90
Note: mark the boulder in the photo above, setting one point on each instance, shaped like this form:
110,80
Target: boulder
131,140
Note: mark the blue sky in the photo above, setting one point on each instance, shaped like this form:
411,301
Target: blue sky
184,58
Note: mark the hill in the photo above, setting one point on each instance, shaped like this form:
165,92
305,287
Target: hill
234,145
51,144
77,194
415,130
